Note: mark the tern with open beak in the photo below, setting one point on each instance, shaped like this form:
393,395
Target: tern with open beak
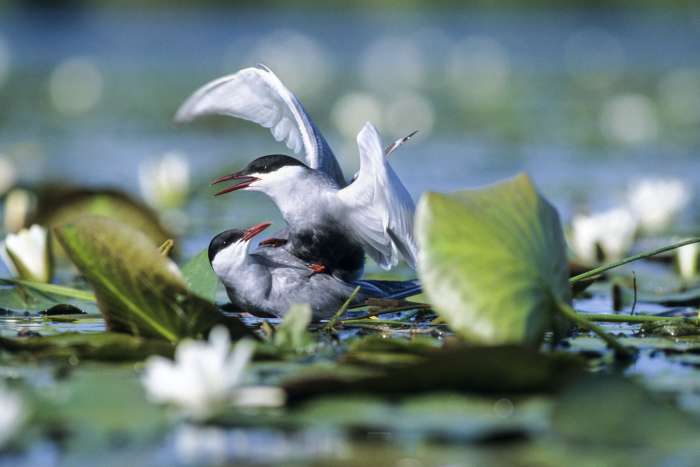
267,281
331,223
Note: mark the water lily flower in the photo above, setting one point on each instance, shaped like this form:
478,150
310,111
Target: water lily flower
19,204
610,232
687,260
656,202
207,377
12,414
165,182
27,254
8,174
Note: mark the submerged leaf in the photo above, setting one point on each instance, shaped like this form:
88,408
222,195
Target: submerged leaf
200,276
493,262
138,290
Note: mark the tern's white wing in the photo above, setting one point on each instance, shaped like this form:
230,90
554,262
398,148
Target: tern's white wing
257,95
379,209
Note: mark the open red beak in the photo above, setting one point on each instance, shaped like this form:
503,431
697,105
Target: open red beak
244,183
255,230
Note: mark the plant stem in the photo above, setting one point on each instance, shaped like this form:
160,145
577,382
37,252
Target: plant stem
629,259
384,322
618,318
341,311
569,313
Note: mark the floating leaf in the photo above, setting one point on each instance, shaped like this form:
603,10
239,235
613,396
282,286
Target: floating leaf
485,370
618,412
138,290
200,276
106,346
292,334
34,297
98,406
62,204
671,327
493,262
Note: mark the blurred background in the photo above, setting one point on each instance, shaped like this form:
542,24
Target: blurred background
584,98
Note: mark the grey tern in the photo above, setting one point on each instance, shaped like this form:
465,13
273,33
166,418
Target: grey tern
330,221
267,281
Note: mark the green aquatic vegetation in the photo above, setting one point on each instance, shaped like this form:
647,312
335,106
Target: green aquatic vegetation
493,262
19,296
104,346
61,204
480,369
617,412
200,276
139,291
647,254
292,334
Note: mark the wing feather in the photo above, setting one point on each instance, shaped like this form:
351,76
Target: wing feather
379,208
257,95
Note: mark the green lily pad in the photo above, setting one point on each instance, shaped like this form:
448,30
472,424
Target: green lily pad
615,411
61,204
292,334
138,290
20,297
493,262
200,276
484,370
104,346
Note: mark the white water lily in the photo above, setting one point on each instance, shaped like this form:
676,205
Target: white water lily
8,174
611,231
207,377
19,204
687,260
656,202
12,414
27,254
165,182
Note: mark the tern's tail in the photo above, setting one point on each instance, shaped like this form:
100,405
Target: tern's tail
390,289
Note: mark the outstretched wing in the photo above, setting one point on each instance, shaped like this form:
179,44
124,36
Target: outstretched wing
379,209
257,95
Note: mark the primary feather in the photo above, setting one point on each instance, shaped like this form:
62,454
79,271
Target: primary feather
257,95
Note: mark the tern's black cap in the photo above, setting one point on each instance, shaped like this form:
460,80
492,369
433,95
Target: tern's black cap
223,240
270,163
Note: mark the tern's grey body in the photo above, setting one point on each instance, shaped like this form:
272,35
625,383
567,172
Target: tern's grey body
374,213
269,280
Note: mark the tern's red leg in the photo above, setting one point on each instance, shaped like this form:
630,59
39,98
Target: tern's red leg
273,242
317,268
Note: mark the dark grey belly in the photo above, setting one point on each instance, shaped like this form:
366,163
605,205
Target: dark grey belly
331,247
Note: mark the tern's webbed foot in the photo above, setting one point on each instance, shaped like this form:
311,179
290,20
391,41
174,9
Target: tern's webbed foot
317,268
273,242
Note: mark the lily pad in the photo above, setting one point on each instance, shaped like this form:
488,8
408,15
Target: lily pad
292,334
61,204
493,262
138,290
483,370
618,412
105,346
200,276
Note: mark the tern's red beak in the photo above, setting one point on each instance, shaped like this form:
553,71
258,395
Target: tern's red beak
255,230
246,180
